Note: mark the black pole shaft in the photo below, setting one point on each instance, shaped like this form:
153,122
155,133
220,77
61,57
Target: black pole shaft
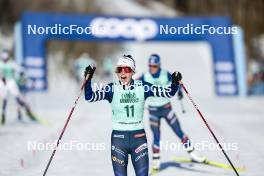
208,127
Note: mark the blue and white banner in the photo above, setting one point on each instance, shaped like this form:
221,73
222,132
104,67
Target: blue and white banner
39,27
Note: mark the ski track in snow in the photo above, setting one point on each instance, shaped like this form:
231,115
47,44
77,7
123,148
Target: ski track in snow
236,120
91,123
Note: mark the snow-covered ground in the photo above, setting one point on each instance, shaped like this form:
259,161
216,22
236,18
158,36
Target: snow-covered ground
237,121
234,120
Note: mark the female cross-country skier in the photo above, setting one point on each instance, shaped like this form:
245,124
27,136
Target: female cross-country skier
160,107
9,71
127,98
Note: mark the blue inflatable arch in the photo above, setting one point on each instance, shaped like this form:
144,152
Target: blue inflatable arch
37,28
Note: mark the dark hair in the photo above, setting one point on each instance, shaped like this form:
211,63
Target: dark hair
129,56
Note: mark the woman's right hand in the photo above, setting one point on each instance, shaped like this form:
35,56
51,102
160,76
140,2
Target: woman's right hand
89,71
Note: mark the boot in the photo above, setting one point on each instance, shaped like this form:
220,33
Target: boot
19,115
155,161
3,119
196,157
31,115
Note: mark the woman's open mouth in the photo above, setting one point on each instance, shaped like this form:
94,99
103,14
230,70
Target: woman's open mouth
123,77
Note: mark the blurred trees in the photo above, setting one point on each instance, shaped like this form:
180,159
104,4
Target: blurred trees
11,10
246,13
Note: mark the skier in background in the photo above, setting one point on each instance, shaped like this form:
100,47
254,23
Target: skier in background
22,82
127,98
9,73
160,107
80,64
108,68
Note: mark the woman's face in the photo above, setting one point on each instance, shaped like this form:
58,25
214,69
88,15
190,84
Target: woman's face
124,74
153,69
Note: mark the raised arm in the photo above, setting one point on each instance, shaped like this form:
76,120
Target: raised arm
93,96
167,92
98,95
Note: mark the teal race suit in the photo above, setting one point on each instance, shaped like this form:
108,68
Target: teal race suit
128,102
128,135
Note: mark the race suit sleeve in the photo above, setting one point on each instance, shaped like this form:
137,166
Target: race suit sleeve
158,91
105,93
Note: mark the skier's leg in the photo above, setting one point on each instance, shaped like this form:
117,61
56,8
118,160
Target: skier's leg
155,128
20,104
139,153
119,152
3,115
174,123
19,114
23,104
3,97
14,90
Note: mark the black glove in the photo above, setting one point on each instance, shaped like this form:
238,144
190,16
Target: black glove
180,95
89,71
176,77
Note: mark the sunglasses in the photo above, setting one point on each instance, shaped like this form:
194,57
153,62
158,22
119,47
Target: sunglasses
153,66
126,69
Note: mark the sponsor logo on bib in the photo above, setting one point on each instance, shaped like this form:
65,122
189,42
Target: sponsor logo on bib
129,98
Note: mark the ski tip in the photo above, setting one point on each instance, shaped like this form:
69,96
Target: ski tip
153,171
43,122
48,124
209,163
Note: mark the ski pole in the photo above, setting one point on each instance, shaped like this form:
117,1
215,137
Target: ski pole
67,121
208,127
